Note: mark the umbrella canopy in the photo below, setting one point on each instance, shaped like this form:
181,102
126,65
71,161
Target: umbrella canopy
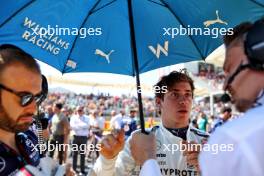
95,35
121,36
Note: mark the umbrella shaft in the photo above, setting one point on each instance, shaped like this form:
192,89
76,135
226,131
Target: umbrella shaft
134,52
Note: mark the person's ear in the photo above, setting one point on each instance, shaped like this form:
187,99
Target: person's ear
158,101
158,104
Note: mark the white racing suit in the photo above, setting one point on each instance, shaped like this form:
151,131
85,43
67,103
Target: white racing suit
170,159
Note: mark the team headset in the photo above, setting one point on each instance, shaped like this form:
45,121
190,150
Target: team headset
26,142
254,49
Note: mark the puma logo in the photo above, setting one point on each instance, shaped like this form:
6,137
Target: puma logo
217,20
106,56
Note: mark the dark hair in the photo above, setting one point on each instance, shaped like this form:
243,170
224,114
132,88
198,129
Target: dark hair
172,78
238,33
58,105
10,54
226,109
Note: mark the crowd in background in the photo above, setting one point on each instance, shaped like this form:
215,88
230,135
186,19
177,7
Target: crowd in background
102,103
108,106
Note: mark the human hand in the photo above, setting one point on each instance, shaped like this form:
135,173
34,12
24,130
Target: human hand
143,147
112,144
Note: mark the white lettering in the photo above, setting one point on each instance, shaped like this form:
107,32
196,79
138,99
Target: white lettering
164,49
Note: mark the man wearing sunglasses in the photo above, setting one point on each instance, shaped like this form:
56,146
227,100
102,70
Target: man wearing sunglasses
20,94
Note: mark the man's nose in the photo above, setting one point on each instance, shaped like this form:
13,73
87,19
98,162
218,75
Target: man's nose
182,99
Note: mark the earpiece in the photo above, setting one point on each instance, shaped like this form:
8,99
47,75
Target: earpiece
44,87
254,45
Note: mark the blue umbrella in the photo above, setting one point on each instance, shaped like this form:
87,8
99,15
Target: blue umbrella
121,36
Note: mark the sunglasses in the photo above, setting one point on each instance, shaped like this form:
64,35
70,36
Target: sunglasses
25,97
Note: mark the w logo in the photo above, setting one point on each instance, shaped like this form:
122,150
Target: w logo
159,49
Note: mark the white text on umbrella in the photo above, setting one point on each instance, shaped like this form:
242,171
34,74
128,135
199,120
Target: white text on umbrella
164,49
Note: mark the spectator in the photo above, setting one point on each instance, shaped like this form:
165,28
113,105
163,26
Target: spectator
80,125
60,129
129,124
203,122
224,117
116,121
